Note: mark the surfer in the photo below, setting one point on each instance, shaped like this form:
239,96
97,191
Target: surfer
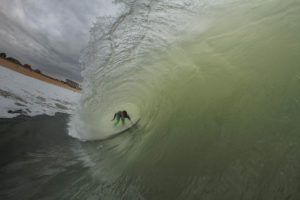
121,115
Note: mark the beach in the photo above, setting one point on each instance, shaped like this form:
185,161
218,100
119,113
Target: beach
10,65
215,85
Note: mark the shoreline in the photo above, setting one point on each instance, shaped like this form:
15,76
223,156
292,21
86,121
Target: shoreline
17,68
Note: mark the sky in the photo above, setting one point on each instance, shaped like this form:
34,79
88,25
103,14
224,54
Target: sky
50,34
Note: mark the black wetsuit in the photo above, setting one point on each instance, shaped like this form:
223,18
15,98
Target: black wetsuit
121,115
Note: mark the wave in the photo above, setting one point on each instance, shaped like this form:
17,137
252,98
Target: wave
215,84
126,65
173,61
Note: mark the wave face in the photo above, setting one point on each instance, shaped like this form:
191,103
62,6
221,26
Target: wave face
216,85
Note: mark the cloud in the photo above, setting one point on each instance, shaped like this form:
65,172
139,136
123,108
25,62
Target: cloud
49,35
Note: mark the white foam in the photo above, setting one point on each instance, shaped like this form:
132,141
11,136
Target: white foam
32,96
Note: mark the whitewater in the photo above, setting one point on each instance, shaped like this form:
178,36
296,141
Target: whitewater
216,84
21,94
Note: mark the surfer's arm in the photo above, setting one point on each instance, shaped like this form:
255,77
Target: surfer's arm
129,118
114,117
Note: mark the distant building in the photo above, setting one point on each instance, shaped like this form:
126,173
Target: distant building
14,60
2,55
27,66
73,84
37,71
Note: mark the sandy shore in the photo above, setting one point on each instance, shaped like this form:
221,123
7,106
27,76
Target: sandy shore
28,72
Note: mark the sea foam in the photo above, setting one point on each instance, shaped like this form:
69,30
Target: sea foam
21,94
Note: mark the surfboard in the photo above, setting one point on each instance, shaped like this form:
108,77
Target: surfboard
124,130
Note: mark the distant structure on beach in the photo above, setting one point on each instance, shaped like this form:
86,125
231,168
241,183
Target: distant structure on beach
68,82
73,84
27,66
13,60
2,55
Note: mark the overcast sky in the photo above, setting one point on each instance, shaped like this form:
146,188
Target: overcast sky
49,34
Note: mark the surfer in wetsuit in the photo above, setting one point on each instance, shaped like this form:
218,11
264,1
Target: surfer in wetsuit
121,115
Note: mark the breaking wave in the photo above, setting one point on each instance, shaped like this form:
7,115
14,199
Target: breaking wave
216,85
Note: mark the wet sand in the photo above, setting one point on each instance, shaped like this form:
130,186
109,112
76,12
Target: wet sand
31,73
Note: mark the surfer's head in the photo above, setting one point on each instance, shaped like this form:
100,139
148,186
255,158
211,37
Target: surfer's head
125,114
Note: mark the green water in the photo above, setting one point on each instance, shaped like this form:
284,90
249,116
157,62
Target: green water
218,89
216,84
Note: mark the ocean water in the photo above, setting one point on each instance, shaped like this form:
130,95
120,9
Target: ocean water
21,94
217,87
